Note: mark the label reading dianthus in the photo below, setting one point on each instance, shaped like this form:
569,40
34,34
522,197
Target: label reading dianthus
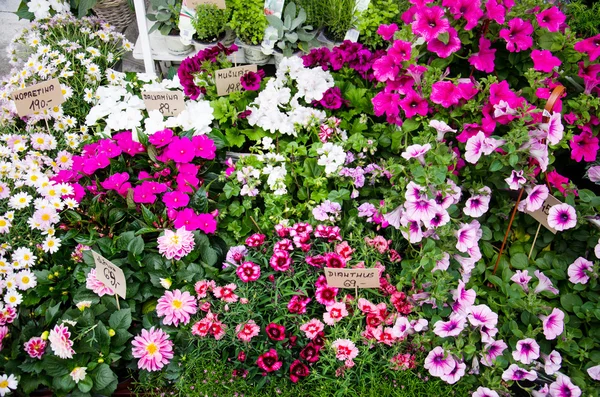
352,278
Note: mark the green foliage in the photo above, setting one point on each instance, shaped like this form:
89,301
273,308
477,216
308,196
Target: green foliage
210,21
584,17
165,15
248,20
290,33
339,17
377,13
315,13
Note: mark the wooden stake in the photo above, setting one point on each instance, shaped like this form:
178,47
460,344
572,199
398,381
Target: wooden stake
512,218
534,240
117,298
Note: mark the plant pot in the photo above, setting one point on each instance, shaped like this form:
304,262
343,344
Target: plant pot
253,53
175,46
229,37
327,41
208,43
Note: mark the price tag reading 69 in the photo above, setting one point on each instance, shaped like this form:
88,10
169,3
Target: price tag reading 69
110,274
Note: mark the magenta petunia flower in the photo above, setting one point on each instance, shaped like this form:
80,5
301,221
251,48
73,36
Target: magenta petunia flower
469,10
176,307
445,49
544,61
439,362
492,351
501,92
484,59
445,93
552,362
497,9
412,104
526,351
484,392
386,103
518,35
400,51
385,69
269,361
562,217
387,31
430,22
551,18
248,271
584,147
545,284
452,327
251,81
153,348
563,387
522,278
514,372
589,46
578,271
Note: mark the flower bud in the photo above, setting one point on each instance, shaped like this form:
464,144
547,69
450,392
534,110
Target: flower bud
45,335
111,332
100,360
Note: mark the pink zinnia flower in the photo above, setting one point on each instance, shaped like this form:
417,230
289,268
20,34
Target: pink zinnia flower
518,35
430,22
438,362
312,328
551,19
245,332
452,327
335,313
153,348
97,286
491,351
176,307
552,362
522,278
484,59
514,372
176,245
344,349
248,271
562,217
60,342
578,271
545,284
387,31
589,46
563,387
226,293
544,61
35,347
526,351
444,50
584,147
484,392
269,361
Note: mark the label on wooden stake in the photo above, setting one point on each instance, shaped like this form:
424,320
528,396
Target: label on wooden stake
352,35
228,80
34,99
110,274
169,103
541,215
194,3
352,278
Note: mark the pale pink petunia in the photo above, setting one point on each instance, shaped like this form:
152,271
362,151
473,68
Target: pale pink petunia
562,217
465,297
482,315
597,249
593,173
491,351
477,205
176,307
594,372
443,263
563,387
441,127
415,233
515,180
544,61
457,372
514,372
344,349
452,327
416,151
420,210
393,218
415,192
553,324
536,197
438,362
401,328
153,348
468,235
553,129
522,278
484,392
552,362
475,148
543,392
526,351
545,284
440,218
312,328
578,271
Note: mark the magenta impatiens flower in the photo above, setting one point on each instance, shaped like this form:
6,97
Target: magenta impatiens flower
578,271
180,150
551,19
516,373
207,223
544,61
204,147
553,324
430,22
387,31
563,387
518,35
438,362
153,348
484,59
161,138
176,307
562,217
175,199
584,147
526,351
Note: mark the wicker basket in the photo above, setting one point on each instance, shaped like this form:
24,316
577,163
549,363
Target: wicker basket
116,12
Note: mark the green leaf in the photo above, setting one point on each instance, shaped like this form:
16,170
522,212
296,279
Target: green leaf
85,385
209,256
519,261
23,12
64,382
569,301
84,7
105,380
120,319
103,338
496,166
149,216
199,200
444,37
339,195
136,246
52,313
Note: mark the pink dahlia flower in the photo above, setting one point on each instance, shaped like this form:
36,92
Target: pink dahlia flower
176,307
97,286
153,348
35,347
176,245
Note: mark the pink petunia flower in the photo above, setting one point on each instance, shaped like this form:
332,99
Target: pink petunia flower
589,46
484,59
468,235
445,49
551,18
452,327
386,103
562,217
413,104
416,151
463,298
526,351
344,349
400,51
594,372
153,348
248,271
420,210
584,147
176,307
497,9
536,197
484,392
439,362
553,129
544,61
515,180
552,362
335,313
522,278
563,387
578,271
545,284
457,372
518,35
482,316
245,332
430,22
469,10
516,373
385,69
35,347
445,93
387,31
477,205
97,286
441,127
312,328
491,351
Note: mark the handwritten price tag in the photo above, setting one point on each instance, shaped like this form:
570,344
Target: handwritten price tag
352,278
194,3
169,103
541,215
110,274
228,80
33,99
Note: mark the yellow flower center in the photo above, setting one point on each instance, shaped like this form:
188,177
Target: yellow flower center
25,280
151,348
177,304
2,223
12,299
175,239
22,200
26,257
50,243
46,217
4,384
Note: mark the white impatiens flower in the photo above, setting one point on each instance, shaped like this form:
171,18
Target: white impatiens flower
39,8
155,122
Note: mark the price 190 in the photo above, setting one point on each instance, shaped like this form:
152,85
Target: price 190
39,104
